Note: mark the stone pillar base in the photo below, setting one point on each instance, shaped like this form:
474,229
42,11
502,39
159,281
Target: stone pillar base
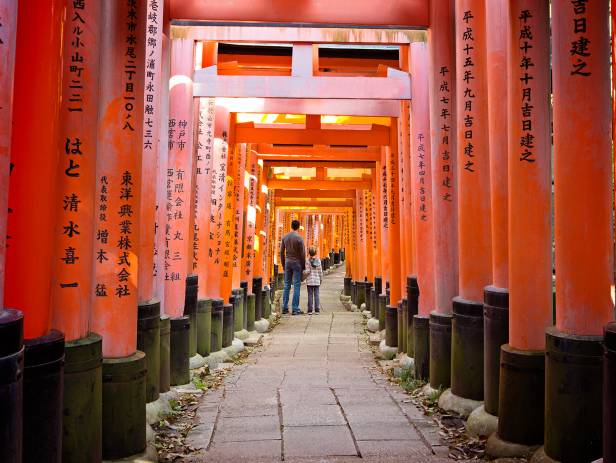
421,348
496,333
204,327
148,342
453,403
496,447
165,354
440,350
467,349
179,358
481,423
83,396
124,406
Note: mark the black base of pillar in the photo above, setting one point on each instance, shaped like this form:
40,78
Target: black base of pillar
257,288
238,309
11,385
251,312
148,342
217,316
382,306
373,303
361,293
522,391
179,368
440,350
467,349
573,396
609,399
267,306
43,398
412,301
421,339
227,323
391,326
368,289
165,354
244,286
204,326
190,310
124,405
403,327
82,431
496,333
354,292
347,286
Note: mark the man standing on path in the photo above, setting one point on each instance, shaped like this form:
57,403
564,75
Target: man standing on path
293,249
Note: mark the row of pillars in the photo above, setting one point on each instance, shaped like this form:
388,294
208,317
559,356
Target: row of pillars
466,279
134,232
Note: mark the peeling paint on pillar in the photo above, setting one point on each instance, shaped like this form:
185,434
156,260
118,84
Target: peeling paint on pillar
474,218
34,157
443,140
179,176
118,177
421,169
8,31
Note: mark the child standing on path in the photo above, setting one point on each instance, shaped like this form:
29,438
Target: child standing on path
314,280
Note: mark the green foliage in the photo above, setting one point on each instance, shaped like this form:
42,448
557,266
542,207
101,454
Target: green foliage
408,381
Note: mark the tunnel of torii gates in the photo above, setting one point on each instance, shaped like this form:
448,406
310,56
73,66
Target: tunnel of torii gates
153,153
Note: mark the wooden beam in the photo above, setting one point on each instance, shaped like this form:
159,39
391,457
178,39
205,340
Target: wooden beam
208,84
249,33
341,107
342,194
340,203
338,164
377,136
405,13
319,184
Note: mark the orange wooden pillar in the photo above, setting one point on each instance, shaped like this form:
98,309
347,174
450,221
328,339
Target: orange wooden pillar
149,305
11,320
384,219
250,186
226,281
423,226
530,253
71,290
444,186
377,208
475,248
117,213
361,236
218,179
393,230
237,169
583,203
34,157
496,295
368,195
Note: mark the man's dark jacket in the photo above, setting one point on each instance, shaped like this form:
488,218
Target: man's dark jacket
293,246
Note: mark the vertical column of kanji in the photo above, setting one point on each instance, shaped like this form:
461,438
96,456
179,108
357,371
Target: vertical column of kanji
217,202
368,201
404,227
384,218
148,325
34,157
475,249
227,239
11,320
241,155
117,187
262,225
496,296
361,236
250,182
202,204
395,295
72,277
406,190
530,252
376,218
423,225
179,185
444,186
582,228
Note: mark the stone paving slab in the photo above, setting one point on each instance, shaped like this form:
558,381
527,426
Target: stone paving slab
312,393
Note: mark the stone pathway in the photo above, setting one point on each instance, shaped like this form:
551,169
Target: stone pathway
313,394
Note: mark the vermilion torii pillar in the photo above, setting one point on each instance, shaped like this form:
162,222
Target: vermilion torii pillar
441,42
11,320
583,231
423,226
496,295
395,295
475,249
117,217
34,157
530,246
71,291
